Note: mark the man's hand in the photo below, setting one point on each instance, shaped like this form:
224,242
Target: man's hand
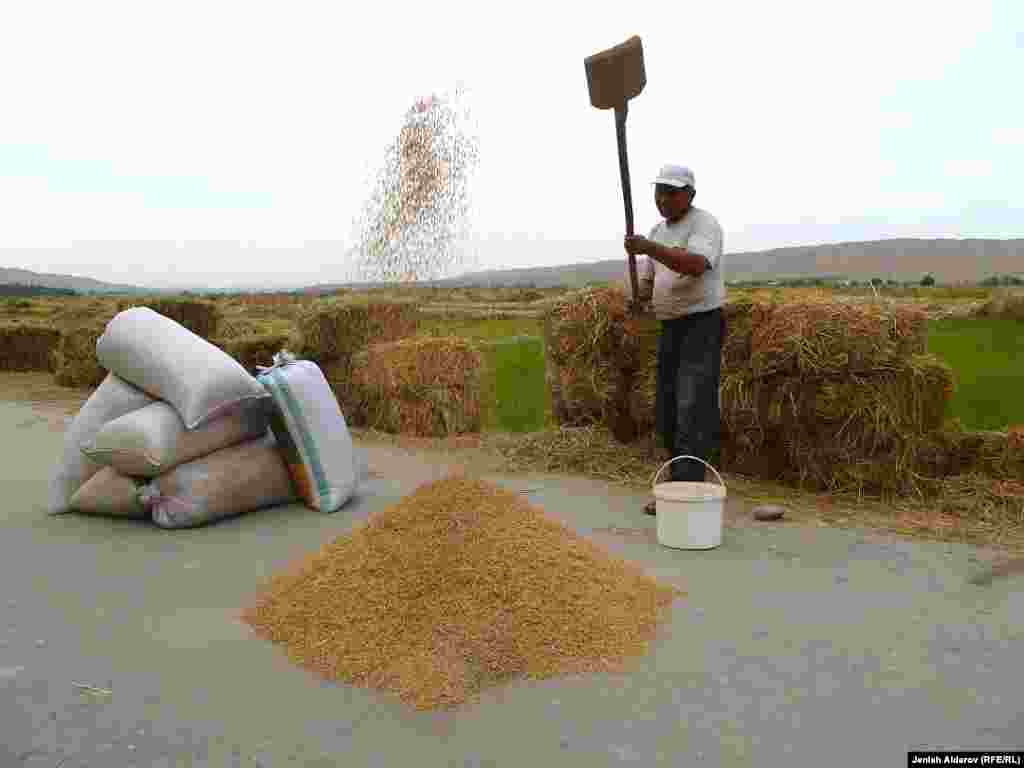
636,306
637,245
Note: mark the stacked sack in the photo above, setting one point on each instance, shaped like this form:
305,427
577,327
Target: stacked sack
180,433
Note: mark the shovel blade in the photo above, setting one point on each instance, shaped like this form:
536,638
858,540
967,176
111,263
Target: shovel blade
616,75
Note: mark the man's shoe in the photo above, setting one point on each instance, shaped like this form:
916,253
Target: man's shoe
650,508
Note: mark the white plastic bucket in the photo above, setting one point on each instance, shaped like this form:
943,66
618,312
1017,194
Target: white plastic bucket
689,514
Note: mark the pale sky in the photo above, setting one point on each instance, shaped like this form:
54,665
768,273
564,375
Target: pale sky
804,121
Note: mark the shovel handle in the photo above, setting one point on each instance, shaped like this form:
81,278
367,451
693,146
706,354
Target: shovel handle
627,195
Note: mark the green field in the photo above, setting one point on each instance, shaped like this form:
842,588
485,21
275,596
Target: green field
987,356
516,398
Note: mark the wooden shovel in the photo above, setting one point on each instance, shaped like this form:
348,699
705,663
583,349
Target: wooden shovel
614,76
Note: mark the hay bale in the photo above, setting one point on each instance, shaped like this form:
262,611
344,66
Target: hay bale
334,329
583,326
27,347
199,316
1003,306
256,349
553,382
80,322
237,326
74,357
742,315
995,454
860,432
819,337
420,386
458,587
349,397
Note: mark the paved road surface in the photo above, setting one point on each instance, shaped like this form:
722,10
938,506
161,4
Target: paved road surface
795,646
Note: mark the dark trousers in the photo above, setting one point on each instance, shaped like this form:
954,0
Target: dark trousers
689,373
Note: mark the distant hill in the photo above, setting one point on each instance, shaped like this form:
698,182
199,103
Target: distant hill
9,276
949,261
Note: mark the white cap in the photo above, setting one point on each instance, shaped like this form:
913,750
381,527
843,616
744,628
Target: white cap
675,176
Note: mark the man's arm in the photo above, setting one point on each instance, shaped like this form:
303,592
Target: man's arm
679,260
702,251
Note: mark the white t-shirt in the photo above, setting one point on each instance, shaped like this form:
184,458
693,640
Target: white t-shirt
673,295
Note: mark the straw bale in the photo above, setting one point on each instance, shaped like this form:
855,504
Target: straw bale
335,329
254,350
818,337
742,315
1008,307
595,350
643,390
553,381
236,326
458,587
74,357
996,454
27,347
981,501
422,386
863,432
199,316
587,393
350,398
585,325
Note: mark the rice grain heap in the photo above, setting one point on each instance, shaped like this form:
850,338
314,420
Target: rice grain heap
422,386
459,586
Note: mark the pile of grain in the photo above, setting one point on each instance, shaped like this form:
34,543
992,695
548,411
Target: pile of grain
460,586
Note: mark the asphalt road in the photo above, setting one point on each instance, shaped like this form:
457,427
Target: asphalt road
794,646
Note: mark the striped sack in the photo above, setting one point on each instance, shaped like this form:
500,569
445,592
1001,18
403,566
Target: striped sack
311,432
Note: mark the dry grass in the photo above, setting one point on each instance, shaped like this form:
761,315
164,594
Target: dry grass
458,587
967,507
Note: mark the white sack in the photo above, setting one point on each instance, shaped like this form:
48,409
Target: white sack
110,494
113,398
168,361
311,431
153,440
232,481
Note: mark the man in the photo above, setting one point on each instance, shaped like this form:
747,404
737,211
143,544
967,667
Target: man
682,278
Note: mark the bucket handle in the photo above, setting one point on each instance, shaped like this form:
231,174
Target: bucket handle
677,458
